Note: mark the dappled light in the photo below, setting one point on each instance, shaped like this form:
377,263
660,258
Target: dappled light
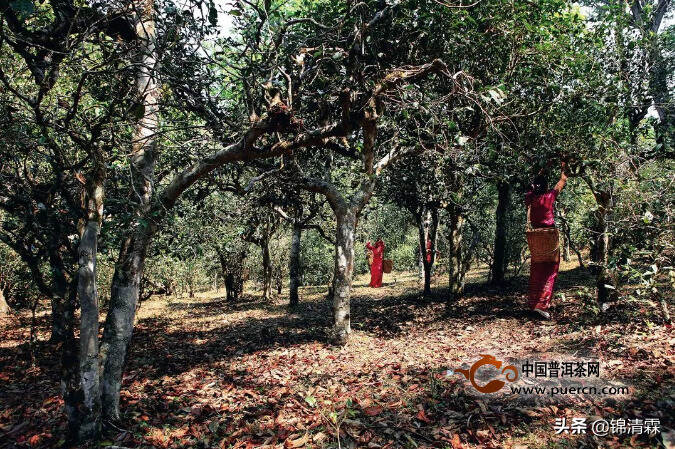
337,224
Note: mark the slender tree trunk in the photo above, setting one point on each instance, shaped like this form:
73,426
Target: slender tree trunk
456,265
426,266
58,319
267,268
90,425
566,249
294,265
119,323
4,307
600,250
499,260
89,409
430,234
71,387
60,291
658,85
344,268
223,267
565,236
227,277
125,288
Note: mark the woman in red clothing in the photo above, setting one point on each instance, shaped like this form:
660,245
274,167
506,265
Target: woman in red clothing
428,252
540,200
376,266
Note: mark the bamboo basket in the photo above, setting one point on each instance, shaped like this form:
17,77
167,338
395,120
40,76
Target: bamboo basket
387,265
544,243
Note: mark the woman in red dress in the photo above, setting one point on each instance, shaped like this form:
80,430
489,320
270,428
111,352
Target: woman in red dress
428,252
540,200
376,266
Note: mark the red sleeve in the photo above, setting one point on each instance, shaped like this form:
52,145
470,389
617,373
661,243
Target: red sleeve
369,246
554,193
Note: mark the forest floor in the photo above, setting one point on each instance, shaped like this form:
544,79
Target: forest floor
205,373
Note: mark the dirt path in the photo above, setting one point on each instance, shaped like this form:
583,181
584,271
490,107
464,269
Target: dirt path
206,373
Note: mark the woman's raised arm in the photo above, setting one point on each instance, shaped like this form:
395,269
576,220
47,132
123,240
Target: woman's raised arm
563,178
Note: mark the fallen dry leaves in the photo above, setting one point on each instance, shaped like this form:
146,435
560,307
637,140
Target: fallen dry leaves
206,373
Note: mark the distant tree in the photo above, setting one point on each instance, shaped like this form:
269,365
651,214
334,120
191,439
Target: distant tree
416,184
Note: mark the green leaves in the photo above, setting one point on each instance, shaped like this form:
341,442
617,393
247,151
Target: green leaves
310,400
23,8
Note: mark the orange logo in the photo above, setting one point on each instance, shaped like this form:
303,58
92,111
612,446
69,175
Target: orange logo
494,385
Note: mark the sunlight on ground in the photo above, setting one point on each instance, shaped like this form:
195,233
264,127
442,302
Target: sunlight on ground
205,371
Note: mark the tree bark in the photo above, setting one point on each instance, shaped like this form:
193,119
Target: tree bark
600,249
4,307
565,236
90,424
425,234
71,388
60,288
661,94
119,322
126,282
267,268
499,260
566,249
58,330
344,268
456,265
294,265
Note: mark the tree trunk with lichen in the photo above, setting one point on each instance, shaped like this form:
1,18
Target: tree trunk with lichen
126,282
344,268
85,415
600,248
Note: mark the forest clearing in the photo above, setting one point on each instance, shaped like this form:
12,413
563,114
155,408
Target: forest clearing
208,373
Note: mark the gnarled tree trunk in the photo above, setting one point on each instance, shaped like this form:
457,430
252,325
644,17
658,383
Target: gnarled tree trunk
126,282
